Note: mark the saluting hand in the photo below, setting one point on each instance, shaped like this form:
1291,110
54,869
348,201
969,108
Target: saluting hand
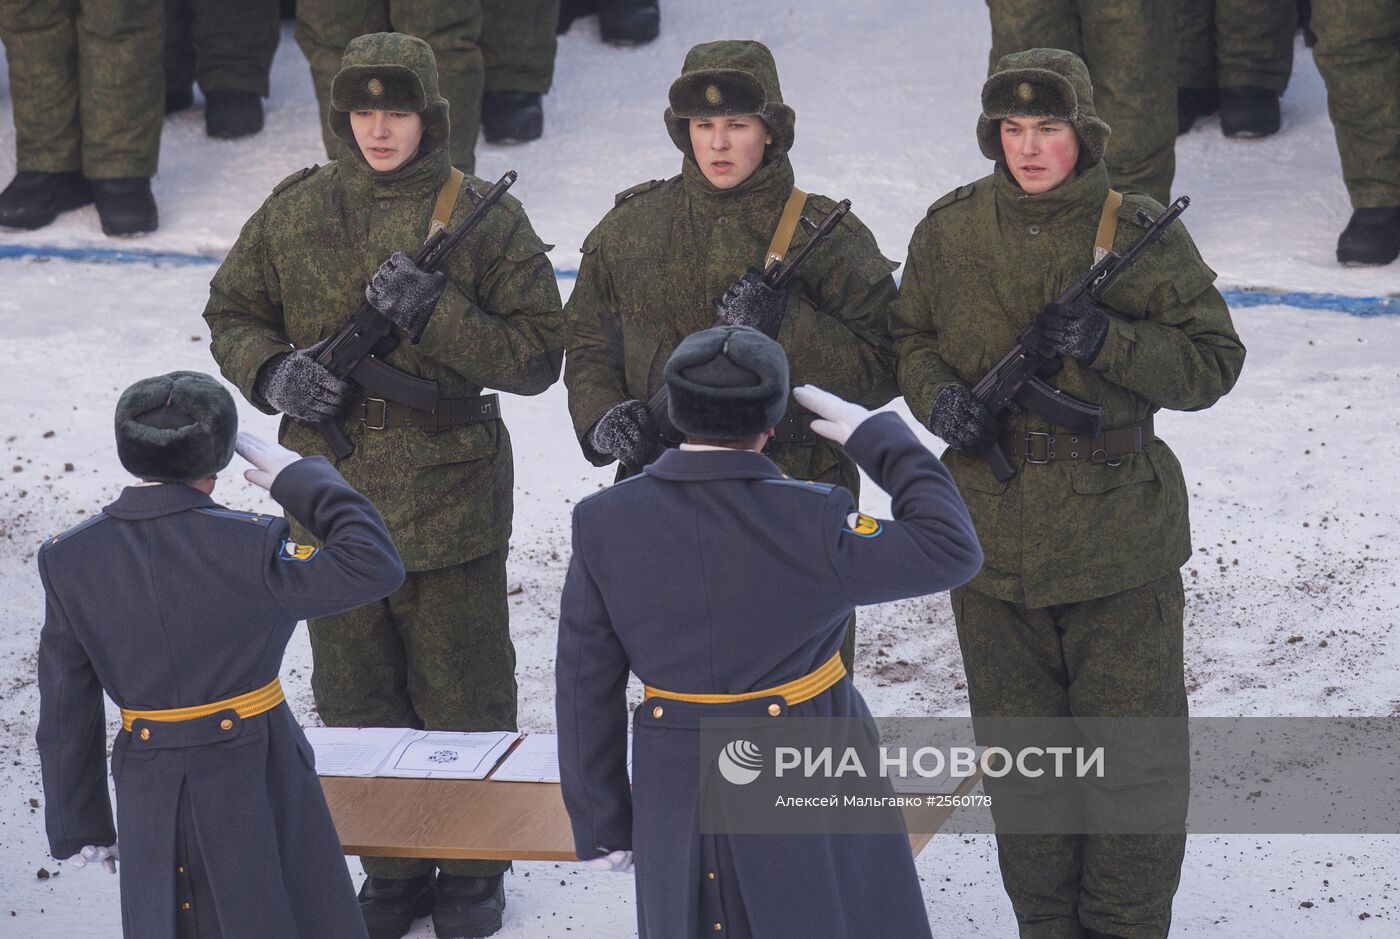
106,855
837,417
268,459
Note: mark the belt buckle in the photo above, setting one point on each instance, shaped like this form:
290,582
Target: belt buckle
1049,447
383,413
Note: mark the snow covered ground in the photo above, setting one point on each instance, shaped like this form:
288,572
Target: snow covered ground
1292,476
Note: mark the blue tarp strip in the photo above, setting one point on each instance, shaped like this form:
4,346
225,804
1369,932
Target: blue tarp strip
1340,303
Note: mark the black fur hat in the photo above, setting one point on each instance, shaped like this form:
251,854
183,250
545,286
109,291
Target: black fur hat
175,428
728,382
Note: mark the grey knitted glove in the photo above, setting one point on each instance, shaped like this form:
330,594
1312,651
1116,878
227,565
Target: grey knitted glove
628,433
405,294
302,388
960,419
1075,329
751,302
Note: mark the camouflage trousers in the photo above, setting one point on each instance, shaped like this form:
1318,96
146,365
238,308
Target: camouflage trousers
224,46
518,44
1114,656
1358,54
89,94
436,654
1235,43
325,27
1125,44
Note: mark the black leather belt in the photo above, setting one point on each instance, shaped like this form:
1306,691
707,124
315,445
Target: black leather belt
1040,448
381,414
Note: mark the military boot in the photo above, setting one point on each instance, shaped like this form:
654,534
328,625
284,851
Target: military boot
390,906
1248,112
125,206
511,116
32,200
230,114
468,907
1371,237
628,22
178,97
1192,103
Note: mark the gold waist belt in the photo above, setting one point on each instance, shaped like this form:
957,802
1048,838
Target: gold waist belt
246,705
793,692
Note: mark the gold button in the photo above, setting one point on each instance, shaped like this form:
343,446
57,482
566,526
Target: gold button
719,927
657,711
145,733
186,906
775,709
710,875
226,724
179,870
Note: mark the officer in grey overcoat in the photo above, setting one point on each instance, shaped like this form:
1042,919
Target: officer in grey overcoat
180,609
711,573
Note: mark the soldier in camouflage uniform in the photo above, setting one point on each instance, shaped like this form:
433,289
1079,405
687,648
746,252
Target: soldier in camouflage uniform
1235,56
1358,54
518,46
228,49
1077,611
1126,45
453,30
88,104
654,266
437,653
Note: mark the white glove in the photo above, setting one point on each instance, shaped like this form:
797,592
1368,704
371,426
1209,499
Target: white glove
268,459
95,854
619,862
838,418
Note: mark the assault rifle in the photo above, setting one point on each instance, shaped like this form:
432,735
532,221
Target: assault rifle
1016,379
777,275
356,352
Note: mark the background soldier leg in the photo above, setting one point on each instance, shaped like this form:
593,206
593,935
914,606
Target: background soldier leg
1254,55
453,30
233,48
460,659
1196,94
517,46
41,44
121,87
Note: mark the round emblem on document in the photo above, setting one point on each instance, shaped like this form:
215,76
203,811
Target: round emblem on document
1025,92
375,87
712,95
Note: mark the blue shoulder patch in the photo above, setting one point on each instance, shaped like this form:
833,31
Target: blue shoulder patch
862,526
606,489
299,553
257,517
100,516
806,484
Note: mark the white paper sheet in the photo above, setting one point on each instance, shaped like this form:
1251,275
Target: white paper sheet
353,751
537,760
435,754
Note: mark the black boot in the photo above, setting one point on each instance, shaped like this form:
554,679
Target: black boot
1192,103
1248,112
178,98
511,116
570,10
390,906
32,200
125,206
1371,237
468,907
230,114
628,22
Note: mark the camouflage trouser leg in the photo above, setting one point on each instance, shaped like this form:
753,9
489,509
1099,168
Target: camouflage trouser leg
451,27
88,94
225,46
1358,54
435,654
1254,43
1195,44
1114,656
1132,66
518,44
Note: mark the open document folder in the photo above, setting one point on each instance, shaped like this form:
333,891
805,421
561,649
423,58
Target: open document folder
438,754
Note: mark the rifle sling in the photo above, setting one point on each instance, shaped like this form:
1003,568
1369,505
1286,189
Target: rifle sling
380,414
787,227
1108,225
446,201
1040,448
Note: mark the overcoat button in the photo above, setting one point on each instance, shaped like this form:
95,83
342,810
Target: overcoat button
657,711
710,875
384,203
145,733
719,927
226,724
1034,229
774,710
179,870
185,905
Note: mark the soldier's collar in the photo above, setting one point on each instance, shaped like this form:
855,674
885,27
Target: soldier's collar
771,180
701,465
1082,195
138,502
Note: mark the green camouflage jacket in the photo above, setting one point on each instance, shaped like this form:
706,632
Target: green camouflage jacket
296,274
981,265
656,263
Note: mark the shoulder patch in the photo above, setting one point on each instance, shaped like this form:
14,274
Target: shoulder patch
957,195
640,188
291,551
858,523
75,529
611,487
255,517
295,178
807,484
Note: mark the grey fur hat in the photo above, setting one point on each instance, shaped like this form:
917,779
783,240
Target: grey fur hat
176,427
728,382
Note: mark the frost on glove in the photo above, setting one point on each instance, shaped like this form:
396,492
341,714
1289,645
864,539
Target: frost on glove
751,302
302,388
405,293
628,433
960,419
1075,329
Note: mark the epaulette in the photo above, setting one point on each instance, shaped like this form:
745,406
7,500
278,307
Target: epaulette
607,489
807,484
957,195
75,529
257,517
626,194
295,178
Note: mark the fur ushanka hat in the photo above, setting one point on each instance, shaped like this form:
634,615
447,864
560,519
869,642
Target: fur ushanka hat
176,427
1041,83
727,383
